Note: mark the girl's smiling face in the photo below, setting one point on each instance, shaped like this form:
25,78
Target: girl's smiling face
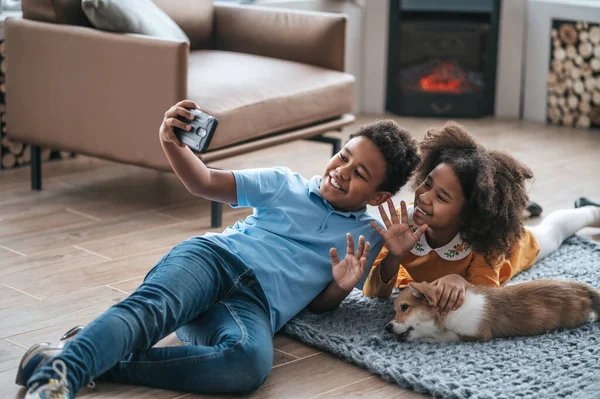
439,202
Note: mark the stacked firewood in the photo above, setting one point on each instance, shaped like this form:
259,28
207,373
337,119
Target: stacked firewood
574,76
12,153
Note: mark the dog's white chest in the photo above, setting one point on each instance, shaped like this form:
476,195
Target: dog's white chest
466,319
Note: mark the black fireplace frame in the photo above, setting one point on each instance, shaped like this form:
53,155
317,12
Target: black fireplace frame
428,104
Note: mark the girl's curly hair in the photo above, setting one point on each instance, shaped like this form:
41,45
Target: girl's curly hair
493,184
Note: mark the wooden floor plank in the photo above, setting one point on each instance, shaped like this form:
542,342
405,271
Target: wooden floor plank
122,391
10,355
127,285
53,169
14,194
9,253
10,297
137,188
370,387
38,224
89,276
38,203
47,262
146,240
308,377
76,234
8,388
293,347
17,321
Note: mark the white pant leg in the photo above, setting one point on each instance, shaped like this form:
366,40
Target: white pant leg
561,224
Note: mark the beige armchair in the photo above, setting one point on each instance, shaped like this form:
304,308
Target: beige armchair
270,76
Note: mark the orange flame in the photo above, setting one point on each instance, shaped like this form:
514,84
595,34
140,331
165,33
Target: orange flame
446,78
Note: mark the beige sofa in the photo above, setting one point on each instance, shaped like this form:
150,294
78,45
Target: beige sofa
270,76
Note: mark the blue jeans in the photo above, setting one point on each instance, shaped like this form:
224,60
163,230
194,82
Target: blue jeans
215,304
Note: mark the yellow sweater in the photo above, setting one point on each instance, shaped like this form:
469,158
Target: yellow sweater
424,263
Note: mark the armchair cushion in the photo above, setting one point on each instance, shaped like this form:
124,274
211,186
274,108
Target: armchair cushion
314,38
195,17
139,16
253,96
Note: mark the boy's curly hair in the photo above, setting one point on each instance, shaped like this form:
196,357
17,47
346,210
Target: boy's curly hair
399,149
493,184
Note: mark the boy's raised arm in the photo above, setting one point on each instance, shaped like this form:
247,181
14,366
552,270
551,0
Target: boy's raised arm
215,185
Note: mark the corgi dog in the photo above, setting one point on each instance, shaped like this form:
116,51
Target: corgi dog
524,309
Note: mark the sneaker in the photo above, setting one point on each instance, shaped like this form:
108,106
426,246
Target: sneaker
582,201
69,335
54,388
534,209
36,357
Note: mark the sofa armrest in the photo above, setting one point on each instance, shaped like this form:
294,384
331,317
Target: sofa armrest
313,38
88,91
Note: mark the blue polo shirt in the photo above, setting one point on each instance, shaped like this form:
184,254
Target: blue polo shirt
286,240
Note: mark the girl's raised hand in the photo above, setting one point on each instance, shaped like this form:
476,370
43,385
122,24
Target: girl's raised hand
398,236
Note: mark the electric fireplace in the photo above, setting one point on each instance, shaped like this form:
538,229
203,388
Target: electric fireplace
442,57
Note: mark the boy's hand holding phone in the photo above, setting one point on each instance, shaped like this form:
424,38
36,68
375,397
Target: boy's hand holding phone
184,124
171,120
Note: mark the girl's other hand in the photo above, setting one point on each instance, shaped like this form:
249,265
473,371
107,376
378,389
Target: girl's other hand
450,291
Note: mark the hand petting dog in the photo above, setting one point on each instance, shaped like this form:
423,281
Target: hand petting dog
450,291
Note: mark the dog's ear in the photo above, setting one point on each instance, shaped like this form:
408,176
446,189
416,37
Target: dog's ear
420,290
415,290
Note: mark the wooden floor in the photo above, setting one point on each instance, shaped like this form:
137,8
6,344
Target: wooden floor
85,242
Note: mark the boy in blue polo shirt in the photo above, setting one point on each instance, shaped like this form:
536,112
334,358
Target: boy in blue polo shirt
227,294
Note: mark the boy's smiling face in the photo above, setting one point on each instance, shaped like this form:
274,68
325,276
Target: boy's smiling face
353,176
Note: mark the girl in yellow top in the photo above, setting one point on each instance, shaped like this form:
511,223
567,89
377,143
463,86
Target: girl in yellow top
468,202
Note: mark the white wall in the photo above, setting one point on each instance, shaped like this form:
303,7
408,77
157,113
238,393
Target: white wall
375,50
539,24
511,54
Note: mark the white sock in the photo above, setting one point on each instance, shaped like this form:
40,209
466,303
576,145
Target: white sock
560,225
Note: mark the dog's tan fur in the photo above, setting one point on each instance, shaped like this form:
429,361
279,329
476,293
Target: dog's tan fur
517,310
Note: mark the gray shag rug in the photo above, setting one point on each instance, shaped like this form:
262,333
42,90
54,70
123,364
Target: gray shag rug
561,364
